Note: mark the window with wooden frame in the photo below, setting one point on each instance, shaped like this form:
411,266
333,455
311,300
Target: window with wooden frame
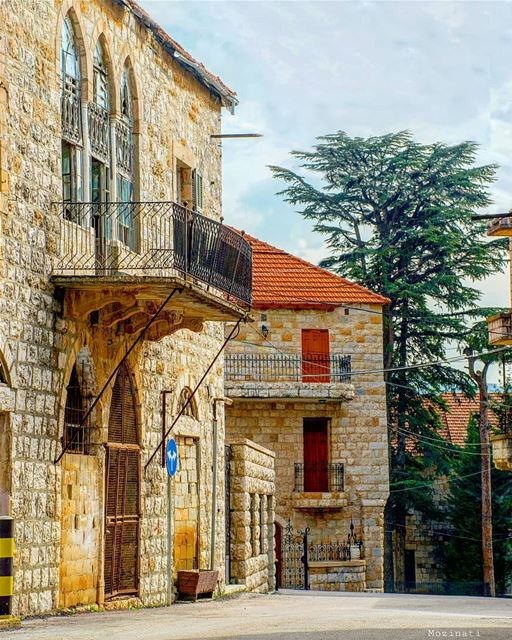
197,190
71,116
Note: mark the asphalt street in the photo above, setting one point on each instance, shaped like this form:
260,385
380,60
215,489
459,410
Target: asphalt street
288,616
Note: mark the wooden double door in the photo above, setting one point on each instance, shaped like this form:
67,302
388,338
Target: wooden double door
122,499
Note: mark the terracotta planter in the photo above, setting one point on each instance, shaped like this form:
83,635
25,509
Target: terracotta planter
502,451
197,583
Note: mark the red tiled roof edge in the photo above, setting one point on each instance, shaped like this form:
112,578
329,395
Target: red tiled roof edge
213,82
261,247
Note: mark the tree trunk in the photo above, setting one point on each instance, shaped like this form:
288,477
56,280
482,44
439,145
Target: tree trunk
487,550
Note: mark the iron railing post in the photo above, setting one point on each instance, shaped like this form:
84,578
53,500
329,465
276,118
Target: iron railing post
305,559
240,244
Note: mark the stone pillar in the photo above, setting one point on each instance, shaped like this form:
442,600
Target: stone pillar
252,490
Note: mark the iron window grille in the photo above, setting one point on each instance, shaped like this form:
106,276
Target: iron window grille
327,476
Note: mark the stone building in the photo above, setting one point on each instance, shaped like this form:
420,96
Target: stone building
419,557
116,279
500,334
301,381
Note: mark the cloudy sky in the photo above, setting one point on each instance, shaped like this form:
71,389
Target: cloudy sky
443,70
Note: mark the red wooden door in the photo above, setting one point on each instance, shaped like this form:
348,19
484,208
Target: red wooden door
316,455
315,355
278,537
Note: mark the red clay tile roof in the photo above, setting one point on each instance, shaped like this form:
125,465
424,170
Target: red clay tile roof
212,82
284,281
455,419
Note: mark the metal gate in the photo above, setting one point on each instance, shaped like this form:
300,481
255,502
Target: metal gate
122,500
294,558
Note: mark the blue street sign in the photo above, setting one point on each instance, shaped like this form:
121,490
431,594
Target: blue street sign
171,457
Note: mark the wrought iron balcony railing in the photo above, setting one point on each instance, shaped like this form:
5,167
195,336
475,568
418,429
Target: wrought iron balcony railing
153,239
318,477
278,367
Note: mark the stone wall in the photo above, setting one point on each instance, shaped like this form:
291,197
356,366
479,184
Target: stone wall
175,116
357,427
334,575
252,515
80,507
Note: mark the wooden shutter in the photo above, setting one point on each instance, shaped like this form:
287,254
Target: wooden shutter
315,355
122,500
197,190
316,455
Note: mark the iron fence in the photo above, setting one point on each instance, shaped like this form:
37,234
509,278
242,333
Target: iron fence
310,476
278,367
153,238
327,551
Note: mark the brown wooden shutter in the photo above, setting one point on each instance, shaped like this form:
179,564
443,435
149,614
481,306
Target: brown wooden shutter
122,504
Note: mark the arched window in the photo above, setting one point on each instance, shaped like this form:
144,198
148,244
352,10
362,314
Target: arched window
72,186
191,408
125,141
99,128
101,84
124,158
77,435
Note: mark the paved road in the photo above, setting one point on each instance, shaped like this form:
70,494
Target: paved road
289,616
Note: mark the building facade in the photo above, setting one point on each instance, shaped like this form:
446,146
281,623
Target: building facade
306,382
117,277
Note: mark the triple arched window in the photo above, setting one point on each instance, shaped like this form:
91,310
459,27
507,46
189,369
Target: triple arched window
97,147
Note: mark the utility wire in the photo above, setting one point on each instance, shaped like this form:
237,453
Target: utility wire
418,365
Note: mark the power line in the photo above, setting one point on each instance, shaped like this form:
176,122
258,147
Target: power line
429,484
418,365
440,532
438,445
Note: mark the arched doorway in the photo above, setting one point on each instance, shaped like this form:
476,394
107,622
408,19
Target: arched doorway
122,501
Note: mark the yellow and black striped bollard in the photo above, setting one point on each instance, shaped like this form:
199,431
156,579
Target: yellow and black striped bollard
6,555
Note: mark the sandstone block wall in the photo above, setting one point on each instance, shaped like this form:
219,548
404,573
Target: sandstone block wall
175,116
338,576
252,515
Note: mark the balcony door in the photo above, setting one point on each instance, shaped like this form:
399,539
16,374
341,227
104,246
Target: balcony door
100,195
316,454
315,355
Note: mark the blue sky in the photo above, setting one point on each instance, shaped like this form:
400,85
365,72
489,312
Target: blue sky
303,69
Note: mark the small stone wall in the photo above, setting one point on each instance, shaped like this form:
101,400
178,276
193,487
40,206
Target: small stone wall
252,516
336,575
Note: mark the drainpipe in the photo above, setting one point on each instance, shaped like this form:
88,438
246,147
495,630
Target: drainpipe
214,478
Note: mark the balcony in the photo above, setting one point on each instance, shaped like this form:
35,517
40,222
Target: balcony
319,486
499,328
500,226
502,451
263,376
128,256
